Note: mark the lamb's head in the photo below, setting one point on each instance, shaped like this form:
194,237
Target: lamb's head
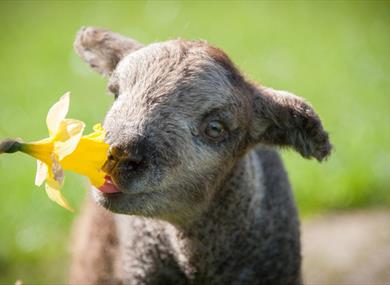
182,116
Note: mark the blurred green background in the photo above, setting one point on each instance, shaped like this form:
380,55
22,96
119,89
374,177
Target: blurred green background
334,54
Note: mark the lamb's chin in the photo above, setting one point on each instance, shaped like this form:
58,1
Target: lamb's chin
120,202
105,198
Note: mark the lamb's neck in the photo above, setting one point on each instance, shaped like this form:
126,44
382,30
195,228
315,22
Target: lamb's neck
229,219
238,198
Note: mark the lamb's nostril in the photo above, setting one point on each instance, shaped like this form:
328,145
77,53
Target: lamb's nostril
122,159
135,158
128,165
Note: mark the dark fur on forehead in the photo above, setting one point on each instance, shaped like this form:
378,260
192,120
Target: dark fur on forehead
177,68
223,60
218,56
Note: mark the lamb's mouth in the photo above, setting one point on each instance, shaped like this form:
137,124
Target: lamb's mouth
109,186
120,200
111,197
108,194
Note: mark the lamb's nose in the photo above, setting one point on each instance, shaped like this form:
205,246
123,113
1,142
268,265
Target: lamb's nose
117,153
120,157
132,153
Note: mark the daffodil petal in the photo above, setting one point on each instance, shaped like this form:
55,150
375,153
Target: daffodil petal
57,113
97,179
42,172
98,128
89,157
70,131
98,134
52,188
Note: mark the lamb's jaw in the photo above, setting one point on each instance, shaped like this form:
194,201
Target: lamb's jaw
120,202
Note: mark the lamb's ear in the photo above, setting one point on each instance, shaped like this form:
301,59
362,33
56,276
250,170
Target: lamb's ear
103,49
283,119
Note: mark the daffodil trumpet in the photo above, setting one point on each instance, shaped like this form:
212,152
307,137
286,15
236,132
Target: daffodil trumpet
65,149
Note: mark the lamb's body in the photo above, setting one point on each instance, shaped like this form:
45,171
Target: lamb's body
249,235
199,203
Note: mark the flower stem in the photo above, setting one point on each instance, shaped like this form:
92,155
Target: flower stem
10,146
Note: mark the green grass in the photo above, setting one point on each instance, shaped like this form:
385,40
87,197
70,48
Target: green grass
334,54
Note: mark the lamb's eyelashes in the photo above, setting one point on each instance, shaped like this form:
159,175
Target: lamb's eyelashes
214,130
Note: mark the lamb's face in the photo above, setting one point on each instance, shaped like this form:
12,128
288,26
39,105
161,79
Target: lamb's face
181,118
176,126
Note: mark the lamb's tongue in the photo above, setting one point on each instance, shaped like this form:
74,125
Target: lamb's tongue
108,186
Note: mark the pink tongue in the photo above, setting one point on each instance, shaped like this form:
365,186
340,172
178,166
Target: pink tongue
108,186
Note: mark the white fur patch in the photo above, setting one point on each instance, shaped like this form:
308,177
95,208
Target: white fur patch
256,180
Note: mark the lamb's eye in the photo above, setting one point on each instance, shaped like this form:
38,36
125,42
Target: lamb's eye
214,130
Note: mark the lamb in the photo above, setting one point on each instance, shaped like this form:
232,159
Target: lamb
199,194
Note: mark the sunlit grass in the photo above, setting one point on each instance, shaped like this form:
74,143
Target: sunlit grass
333,54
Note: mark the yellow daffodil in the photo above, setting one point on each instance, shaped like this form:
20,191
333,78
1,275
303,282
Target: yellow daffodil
65,148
